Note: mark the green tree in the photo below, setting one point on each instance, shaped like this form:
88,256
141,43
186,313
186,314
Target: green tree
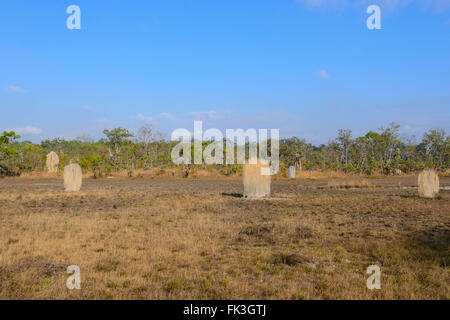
435,145
117,138
92,161
8,166
345,141
292,151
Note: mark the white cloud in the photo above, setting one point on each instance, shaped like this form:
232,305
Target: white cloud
15,89
152,120
166,116
87,108
211,114
143,118
27,130
322,74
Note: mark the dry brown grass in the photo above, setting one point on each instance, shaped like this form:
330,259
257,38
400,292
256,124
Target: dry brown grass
317,174
39,174
155,172
209,172
162,238
348,184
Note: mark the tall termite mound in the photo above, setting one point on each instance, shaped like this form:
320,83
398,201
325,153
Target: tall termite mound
428,184
52,162
72,177
256,179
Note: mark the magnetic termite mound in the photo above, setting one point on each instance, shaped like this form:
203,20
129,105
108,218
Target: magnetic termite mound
428,182
256,177
72,177
291,172
52,162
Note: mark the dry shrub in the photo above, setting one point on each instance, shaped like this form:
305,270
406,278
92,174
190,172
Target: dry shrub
304,232
258,232
39,264
445,173
289,259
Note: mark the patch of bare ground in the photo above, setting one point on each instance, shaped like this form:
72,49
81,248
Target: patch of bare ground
174,238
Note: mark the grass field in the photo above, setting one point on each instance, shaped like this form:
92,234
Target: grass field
196,238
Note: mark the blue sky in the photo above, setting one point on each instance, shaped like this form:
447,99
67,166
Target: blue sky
306,67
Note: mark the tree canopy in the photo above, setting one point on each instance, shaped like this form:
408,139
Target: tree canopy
381,151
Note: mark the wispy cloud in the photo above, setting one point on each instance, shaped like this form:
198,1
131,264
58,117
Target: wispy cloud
107,122
436,6
322,74
27,130
313,3
387,6
143,118
324,4
87,108
15,89
165,115
152,120
211,114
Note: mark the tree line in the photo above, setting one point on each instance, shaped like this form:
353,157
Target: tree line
380,152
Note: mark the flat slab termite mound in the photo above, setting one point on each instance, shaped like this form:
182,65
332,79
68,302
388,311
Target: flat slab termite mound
72,177
256,178
428,182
